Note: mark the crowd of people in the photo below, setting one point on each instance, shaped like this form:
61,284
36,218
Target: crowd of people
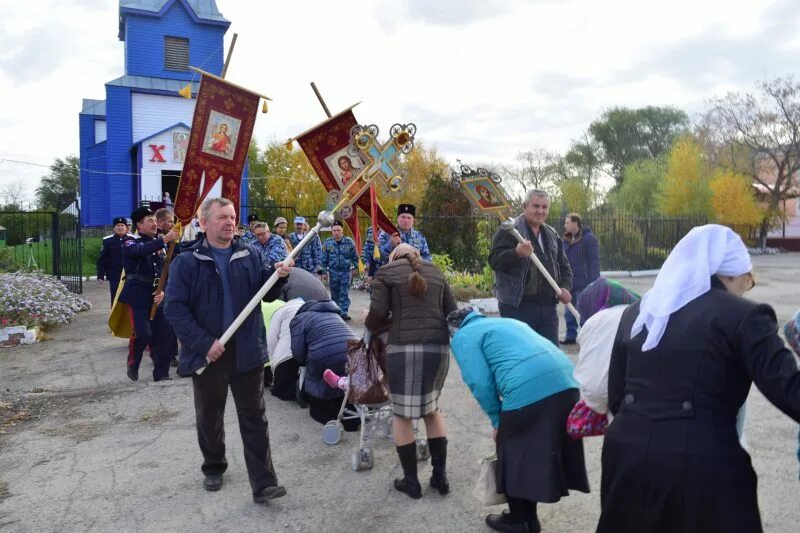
664,376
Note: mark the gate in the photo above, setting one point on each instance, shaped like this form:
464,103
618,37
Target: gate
44,241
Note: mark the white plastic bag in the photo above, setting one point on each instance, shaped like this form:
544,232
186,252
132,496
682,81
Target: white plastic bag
485,490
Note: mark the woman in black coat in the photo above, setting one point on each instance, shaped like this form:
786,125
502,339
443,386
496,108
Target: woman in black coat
682,365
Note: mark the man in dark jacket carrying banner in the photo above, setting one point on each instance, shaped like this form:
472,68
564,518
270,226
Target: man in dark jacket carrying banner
522,292
143,261
209,285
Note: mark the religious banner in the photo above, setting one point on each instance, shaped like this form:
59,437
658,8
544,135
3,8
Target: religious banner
327,148
222,126
483,190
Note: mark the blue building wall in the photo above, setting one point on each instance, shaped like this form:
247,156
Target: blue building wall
85,140
121,173
144,43
94,165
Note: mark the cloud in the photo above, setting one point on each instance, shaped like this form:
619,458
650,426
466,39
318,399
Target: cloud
442,13
31,56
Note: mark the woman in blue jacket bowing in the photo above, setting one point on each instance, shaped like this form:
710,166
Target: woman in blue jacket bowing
525,385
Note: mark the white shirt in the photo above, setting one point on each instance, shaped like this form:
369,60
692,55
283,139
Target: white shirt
596,340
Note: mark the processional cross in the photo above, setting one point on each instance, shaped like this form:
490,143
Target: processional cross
381,158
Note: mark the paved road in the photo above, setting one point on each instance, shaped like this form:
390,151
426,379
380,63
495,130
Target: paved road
95,452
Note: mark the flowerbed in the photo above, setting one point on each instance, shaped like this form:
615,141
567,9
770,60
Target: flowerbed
37,300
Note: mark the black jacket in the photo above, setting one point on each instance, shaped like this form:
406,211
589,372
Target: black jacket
671,458
511,272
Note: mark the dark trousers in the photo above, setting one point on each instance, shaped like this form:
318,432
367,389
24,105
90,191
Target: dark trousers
156,334
284,380
541,317
210,395
569,318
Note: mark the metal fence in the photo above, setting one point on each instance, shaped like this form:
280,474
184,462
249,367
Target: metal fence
47,241
626,242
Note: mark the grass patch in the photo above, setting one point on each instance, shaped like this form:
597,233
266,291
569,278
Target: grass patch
40,255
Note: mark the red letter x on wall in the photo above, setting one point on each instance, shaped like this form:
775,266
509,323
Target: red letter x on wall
157,157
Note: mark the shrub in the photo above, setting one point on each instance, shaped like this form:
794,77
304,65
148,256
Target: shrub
6,258
32,299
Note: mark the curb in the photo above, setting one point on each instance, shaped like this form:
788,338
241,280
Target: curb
630,273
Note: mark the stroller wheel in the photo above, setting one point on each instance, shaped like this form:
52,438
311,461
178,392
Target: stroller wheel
423,452
332,432
362,459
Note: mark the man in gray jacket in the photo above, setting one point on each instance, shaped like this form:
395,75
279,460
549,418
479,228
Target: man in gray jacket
522,292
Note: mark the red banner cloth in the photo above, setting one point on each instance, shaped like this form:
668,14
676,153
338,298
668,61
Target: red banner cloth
222,126
325,147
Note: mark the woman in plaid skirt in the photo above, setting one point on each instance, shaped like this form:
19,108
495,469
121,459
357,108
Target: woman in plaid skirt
414,298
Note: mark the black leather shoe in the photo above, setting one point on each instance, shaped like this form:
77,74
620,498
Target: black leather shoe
212,482
346,318
500,522
163,379
568,341
133,375
269,493
409,486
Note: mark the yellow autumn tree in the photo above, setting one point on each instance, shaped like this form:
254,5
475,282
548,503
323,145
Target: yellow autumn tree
284,178
685,190
574,197
419,165
734,203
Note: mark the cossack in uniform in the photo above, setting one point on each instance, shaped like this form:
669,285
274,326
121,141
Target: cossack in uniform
338,259
109,264
143,260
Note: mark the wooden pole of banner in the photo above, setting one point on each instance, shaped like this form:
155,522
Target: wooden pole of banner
228,57
204,73
321,101
162,280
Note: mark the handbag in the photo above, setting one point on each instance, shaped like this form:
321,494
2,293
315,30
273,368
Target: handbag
485,490
366,374
583,421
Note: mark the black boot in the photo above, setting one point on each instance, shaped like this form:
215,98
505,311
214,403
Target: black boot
408,460
438,448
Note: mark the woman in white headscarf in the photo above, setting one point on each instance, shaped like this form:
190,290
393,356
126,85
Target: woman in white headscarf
682,365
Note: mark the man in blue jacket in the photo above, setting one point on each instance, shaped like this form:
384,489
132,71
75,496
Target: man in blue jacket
310,255
143,260
109,264
583,254
405,234
271,246
209,285
340,263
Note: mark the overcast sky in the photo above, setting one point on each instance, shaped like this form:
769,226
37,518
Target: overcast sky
482,80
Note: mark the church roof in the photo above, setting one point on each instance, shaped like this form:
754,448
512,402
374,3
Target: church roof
176,125
200,10
93,107
153,84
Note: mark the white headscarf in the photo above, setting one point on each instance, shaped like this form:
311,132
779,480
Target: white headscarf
686,275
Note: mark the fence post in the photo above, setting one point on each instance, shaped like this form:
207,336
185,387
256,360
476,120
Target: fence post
646,262
55,239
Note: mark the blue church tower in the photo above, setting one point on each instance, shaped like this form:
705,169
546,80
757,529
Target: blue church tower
133,143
